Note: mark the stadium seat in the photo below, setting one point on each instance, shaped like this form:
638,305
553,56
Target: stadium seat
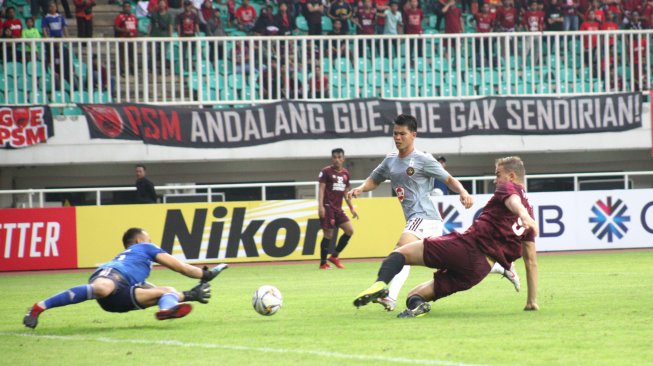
301,23
365,64
35,68
144,25
101,97
16,98
236,80
327,25
81,97
59,97
38,97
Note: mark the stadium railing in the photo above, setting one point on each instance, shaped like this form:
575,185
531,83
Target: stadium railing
232,71
29,198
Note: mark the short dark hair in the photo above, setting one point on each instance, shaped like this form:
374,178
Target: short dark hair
141,166
441,159
129,237
408,121
337,150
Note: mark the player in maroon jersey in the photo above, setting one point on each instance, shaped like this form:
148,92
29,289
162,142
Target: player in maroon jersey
504,232
334,185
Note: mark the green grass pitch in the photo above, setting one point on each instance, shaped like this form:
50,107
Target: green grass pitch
596,309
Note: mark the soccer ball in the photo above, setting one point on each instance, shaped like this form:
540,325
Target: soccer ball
267,300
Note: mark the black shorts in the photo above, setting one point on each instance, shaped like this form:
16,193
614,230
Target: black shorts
461,265
123,298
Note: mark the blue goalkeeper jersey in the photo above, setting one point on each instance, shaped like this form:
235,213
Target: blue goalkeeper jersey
135,262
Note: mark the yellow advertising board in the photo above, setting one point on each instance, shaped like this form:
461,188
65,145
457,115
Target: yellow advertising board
235,231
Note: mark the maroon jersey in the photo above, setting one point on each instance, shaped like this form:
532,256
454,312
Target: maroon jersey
367,21
413,21
337,183
484,22
498,232
507,18
452,20
533,21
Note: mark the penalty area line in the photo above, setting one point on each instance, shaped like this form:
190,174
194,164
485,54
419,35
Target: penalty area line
344,356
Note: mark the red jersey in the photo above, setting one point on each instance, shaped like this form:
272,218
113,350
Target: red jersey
319,85
590,41
413,21
483,22
367,21
533,21
381,5
129,22
639,51
630,5
16,27
452,20
498,232
610,26
507,18
337,183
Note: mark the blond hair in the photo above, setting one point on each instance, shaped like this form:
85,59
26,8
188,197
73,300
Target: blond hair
512,164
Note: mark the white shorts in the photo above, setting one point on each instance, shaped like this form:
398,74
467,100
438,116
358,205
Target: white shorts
422,228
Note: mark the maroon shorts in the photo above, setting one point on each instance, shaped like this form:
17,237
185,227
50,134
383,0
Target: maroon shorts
461,265
333,218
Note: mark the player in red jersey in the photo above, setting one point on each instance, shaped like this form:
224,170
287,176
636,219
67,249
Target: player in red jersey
504,232
334,185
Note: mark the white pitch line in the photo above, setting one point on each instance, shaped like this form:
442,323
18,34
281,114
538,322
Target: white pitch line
345,356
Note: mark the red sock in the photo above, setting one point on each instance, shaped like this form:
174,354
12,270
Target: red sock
36,310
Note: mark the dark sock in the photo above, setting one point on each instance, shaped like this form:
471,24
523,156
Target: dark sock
414,301
324,250
391,265
342,243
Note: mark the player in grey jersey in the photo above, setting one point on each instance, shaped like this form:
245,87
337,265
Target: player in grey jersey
412,174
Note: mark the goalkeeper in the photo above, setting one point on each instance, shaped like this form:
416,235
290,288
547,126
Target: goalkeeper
119,285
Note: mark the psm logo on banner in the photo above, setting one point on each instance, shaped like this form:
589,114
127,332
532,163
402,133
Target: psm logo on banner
609,219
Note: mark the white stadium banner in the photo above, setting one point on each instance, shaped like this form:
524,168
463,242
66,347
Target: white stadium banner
585,220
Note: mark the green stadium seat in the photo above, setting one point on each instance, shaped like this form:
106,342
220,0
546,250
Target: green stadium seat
101,97
327,24
301,23
38,97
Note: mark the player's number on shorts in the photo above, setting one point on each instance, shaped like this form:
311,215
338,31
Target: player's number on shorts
517,227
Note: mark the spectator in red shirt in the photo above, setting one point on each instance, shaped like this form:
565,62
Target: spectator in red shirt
483,20
126,26
413,17
245,16
319,84
590,42
365,21
15,25
599,14
381,6
533,18
507,16
453,23
533,21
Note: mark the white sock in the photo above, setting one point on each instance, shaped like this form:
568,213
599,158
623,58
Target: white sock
497,268
398,282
